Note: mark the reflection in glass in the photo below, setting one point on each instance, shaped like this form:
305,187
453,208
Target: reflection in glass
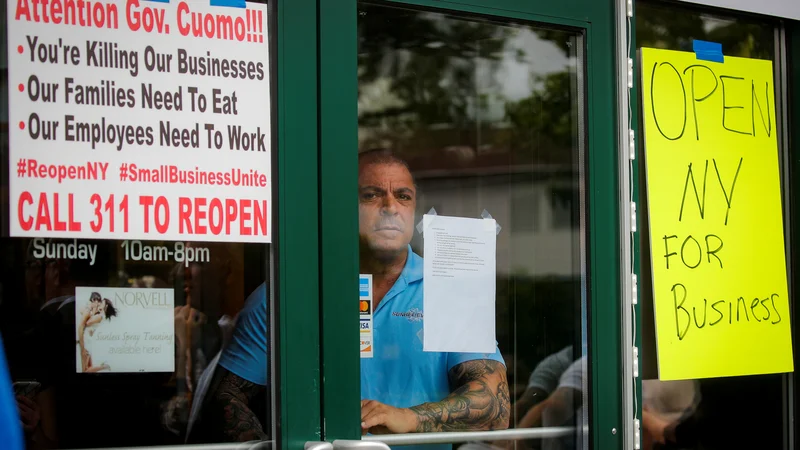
488,116
81,403
674,28
715,413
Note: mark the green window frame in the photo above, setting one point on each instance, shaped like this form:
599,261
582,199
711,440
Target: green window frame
340,361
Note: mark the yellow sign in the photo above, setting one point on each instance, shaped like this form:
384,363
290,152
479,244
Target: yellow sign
716,223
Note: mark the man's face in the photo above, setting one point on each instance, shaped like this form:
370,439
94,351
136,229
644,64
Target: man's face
386,202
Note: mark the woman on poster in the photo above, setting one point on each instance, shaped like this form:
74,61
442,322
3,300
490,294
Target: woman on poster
92,314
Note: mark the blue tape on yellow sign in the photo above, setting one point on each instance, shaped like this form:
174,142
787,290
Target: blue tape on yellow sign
708,51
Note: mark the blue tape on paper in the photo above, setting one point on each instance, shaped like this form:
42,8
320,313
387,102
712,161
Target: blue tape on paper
230,3
708,51
159,1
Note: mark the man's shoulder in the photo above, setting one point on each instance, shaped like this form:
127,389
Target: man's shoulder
257,300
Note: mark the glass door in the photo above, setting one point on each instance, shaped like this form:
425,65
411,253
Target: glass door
692,413
469,198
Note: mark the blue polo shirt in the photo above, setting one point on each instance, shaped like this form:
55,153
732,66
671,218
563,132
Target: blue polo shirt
10,426
401,374
246,354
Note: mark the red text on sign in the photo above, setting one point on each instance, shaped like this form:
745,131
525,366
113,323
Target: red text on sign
200,216
50,212
146,18
160,212
70,12
106,209
249,28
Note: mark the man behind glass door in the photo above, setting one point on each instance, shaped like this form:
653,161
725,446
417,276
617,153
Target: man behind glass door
403,388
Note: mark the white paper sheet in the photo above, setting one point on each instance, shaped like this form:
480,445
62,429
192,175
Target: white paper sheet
459,292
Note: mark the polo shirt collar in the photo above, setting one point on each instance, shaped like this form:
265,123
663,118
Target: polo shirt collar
413,268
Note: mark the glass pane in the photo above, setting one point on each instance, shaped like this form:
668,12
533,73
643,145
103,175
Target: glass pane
468,116
715,413
120,342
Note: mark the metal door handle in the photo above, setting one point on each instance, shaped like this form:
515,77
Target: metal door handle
318,445
452,437
344,444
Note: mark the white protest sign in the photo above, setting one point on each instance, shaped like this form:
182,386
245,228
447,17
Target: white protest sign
124,330
135,119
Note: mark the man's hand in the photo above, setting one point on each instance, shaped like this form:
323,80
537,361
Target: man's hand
29,413
479,401
378,418
654,426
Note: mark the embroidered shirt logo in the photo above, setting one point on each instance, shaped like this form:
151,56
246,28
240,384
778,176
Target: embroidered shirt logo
413,314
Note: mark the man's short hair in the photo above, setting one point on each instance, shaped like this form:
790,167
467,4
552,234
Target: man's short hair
384,155
381,155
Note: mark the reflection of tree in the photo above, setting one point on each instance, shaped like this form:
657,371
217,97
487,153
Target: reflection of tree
563,41
675,28
544,122
428,64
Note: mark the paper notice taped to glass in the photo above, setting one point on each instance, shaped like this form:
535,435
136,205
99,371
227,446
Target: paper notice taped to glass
459,290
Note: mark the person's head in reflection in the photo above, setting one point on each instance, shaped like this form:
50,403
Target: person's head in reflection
387,198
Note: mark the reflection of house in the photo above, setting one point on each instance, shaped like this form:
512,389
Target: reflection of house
538,302
537,206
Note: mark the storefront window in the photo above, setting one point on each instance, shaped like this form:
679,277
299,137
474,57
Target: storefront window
135,248
461,119
710,413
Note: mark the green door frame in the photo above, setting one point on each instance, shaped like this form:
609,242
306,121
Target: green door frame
296,347
338,127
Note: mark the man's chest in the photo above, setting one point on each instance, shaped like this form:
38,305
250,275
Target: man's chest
398,335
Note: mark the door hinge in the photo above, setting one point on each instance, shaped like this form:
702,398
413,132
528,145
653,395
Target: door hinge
637,435
633,217
634,289
630,8
635,362
632,144
630,73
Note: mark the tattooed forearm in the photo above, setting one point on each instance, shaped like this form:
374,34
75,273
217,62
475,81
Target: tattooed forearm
239,422
480,400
